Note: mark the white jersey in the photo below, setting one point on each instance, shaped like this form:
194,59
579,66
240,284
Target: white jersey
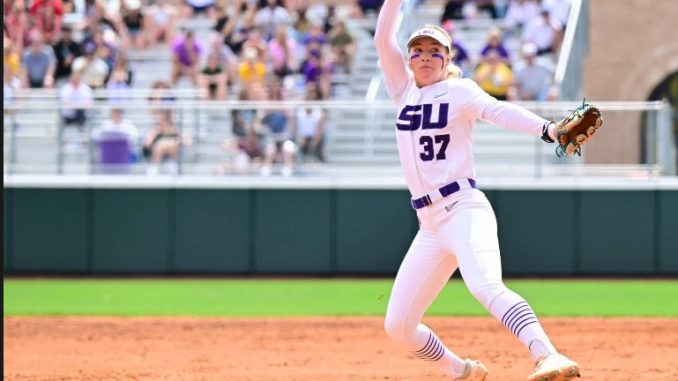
434,124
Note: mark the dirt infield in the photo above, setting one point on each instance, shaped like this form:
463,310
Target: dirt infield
316,349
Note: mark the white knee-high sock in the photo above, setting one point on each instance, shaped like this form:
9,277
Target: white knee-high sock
432,349
516,315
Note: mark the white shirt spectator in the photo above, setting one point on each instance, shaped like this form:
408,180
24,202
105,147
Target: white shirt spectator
75,97
520,12
308,121
558,9
269,19
200,3
94,71
541,31
532,80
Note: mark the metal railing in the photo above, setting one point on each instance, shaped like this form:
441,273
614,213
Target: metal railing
568,76
36,139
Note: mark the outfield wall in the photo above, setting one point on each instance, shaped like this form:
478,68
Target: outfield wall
100,225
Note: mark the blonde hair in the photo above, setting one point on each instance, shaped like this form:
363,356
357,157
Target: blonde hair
452,70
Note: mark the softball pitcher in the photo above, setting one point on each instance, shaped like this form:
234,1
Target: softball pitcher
436,114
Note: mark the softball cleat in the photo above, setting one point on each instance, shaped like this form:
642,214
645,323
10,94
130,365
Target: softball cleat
475,371
554,367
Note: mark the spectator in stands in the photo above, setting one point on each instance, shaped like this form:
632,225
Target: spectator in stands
495,43
160,22
279,147
343,46
312,68
224,24
487,6
117,87
309,127
252,70
39,63
271,17
186,57
213,79
301,24
460,53
93,69
47,22
98,20
10,59
75,97
243,20
192,8
558,9
255,41
161,144
533,78
225,58
160,99
518,14
39,6
66,51
133,19
494,76
545,31
17,26
315,38
69,6
11,85
453,10
118,124
365,7
122,66
248,151
247,147
105,43
282,54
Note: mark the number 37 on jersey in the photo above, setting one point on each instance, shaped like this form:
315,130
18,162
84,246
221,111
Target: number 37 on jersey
412,118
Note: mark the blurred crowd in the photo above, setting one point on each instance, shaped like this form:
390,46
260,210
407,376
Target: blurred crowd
259,50
538,26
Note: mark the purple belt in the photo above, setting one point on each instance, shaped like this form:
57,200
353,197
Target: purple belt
440,193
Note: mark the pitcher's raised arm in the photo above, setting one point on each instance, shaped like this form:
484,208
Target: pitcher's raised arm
390,56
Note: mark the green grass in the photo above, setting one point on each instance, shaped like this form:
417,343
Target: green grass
319,297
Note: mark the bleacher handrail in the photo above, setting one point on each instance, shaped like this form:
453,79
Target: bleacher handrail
563,66
325,104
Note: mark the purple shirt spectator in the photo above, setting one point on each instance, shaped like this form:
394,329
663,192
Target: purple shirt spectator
461,55
500,49
179,49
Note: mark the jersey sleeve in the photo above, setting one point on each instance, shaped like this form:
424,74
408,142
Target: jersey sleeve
390,56
485,107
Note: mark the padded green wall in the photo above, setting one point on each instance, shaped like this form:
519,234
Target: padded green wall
49,230
374,230
529,223
667,231
213,231
323,231
616,231
293,231
131,230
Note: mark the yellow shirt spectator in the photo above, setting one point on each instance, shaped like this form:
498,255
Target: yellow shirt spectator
12,61
251,69
494,76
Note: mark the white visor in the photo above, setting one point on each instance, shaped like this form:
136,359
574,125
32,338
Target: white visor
432,33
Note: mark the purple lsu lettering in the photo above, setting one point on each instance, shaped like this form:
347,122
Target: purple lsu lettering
414,116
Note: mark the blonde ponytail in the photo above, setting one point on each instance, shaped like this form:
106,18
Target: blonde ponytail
452,71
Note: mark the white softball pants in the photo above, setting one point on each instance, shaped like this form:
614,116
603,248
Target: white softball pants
459,231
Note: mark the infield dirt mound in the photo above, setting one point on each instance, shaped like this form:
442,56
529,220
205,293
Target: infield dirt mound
316,349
